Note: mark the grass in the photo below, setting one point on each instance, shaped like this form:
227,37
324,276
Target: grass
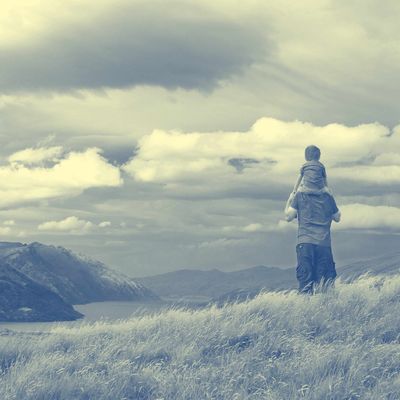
344,344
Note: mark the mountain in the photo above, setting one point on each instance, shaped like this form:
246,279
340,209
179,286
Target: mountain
387,264
213,283
76,279
22,299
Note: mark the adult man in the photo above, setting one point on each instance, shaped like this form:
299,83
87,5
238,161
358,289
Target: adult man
314,213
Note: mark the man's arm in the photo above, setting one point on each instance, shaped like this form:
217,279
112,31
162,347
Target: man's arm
290,212
336,212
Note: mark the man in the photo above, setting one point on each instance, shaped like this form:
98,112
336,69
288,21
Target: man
315,213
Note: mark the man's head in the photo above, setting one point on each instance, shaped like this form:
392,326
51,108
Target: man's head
312,153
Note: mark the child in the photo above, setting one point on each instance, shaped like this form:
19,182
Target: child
312,177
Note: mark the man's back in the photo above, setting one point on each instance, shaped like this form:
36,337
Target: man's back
314,213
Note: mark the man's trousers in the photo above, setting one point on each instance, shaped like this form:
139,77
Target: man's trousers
315,265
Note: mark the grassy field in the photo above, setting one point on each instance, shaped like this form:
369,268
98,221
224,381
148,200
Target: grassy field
344,344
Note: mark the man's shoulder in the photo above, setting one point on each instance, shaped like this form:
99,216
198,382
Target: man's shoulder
306,198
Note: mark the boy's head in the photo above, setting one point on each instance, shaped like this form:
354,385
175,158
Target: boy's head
312,153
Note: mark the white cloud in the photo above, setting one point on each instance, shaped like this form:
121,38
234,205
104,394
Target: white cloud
70,224
366,217
253,227
9,222
271,152
69,176
375,174
4,231
32,156
223,242
104,224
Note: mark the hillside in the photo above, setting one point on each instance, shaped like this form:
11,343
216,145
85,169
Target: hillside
76,279
388,264
343,344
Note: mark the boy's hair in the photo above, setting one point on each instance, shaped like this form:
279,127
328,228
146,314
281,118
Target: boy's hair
312,153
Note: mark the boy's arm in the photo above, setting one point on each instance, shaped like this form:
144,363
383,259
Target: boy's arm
297,184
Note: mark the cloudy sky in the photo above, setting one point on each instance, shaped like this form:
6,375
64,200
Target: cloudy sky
159,135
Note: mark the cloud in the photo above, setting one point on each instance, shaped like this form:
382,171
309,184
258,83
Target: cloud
9,222
253,227
104,224
127,43
369,218
269,155
4,231
224,242
68,176
70,224
36,155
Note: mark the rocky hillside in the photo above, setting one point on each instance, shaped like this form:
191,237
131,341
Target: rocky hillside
76,279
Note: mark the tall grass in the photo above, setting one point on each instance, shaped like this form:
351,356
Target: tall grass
344,344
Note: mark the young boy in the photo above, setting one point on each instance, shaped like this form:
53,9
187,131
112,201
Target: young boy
312,178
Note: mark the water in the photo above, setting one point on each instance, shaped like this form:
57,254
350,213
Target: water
106,310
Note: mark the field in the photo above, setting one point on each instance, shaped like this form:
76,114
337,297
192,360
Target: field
344,344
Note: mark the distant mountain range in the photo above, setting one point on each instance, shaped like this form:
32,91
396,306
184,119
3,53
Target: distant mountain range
40,282
213,283
219,287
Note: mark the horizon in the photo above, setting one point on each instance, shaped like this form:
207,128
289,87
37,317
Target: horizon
155,137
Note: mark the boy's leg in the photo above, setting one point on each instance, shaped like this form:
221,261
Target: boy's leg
305,267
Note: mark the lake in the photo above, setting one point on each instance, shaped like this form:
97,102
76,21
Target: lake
106,310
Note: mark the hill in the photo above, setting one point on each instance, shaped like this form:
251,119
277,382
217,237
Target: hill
76,279
343,344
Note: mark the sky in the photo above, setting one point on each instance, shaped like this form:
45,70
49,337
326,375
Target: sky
156,136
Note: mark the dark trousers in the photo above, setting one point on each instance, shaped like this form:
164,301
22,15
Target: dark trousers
315,265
